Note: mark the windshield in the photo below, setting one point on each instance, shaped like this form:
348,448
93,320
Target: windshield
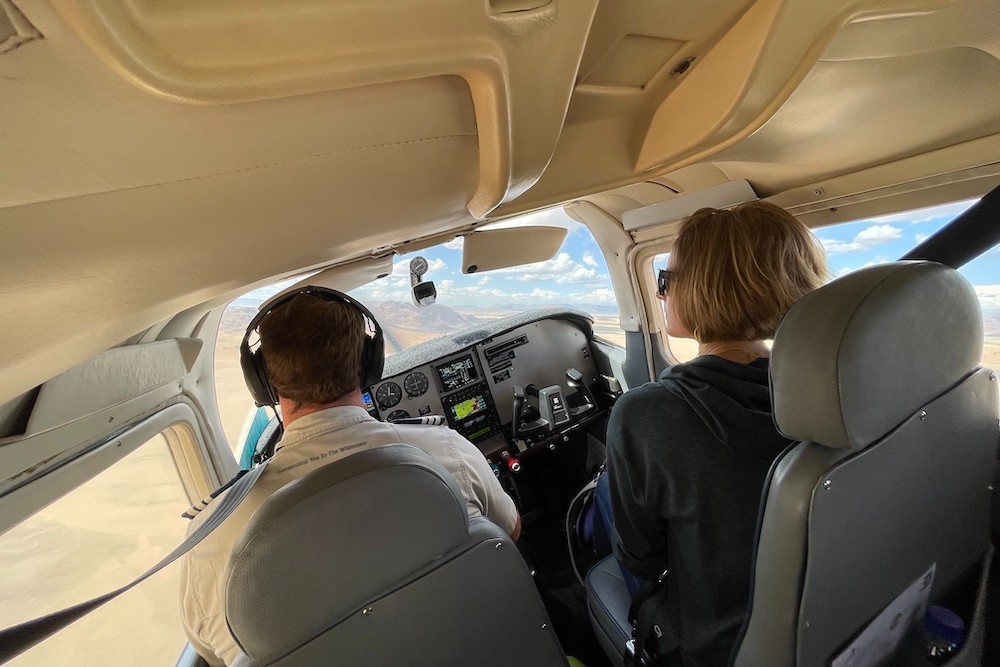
576,277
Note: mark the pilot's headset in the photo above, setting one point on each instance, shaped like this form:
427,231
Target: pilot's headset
253,363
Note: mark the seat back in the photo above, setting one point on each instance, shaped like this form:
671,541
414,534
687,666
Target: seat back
372,560
878,375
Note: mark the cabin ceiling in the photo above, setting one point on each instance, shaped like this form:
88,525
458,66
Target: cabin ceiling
157,155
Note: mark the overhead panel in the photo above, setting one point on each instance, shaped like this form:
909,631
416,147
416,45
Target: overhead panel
15,29
519,59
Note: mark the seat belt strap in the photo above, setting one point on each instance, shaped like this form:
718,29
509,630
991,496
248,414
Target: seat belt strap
19,638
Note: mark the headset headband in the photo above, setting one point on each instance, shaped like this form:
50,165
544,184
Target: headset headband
252,361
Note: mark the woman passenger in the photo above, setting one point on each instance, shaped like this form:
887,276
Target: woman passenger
689,453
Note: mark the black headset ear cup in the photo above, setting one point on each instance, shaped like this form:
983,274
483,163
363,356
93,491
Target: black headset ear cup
255,375
372,356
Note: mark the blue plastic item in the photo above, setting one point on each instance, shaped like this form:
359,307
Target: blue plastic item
943,634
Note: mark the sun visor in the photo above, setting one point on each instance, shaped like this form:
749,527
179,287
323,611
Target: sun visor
489,249
344,277
725,195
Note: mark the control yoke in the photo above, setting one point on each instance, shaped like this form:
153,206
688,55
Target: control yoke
549,411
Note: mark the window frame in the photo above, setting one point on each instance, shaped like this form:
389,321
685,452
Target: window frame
178,422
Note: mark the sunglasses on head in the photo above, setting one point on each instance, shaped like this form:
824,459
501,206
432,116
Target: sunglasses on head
663,279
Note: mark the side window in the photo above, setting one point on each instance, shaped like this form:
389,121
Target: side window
92,540
854,245
235,403
681,349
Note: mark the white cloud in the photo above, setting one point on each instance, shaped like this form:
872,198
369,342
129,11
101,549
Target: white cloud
588,259
561,270
927,214
837,247
866,239
599,295
455,244
989,295
878,234
483,280
920,238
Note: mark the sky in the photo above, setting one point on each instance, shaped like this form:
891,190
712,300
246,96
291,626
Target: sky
578,276
854,245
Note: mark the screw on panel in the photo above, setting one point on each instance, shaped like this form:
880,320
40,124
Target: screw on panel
544,625
819,192
923,415
989,488
807,625
827,485
498,545
367,611
682,66
993,376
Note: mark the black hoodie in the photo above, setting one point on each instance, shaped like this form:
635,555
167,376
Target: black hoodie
687,460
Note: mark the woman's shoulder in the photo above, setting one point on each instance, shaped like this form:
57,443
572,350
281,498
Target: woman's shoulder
654,398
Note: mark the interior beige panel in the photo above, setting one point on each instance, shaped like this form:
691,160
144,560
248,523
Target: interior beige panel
159,158
73,127
828,123
519,63
152,252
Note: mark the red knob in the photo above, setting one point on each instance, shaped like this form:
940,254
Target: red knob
512,463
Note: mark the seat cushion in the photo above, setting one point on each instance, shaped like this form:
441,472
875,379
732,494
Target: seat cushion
608,600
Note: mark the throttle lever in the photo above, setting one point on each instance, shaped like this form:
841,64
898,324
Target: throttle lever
574,380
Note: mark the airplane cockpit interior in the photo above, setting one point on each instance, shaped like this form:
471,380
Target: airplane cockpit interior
580,433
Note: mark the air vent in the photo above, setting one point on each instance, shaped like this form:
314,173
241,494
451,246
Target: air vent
511,6
15,29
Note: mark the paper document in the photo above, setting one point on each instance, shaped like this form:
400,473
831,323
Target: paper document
877,641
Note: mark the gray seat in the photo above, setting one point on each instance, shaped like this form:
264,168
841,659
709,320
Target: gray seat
372,561
608,603
878,375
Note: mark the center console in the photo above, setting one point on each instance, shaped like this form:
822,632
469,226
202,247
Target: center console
466,398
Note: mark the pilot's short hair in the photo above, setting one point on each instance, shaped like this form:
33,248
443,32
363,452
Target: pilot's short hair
736,272
312,349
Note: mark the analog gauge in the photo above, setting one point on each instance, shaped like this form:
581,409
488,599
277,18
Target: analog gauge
418,266
388,394
415,383
397,414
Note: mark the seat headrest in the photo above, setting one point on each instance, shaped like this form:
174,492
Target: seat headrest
323,545
857,357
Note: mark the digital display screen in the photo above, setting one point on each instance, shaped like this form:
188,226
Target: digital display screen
458,373
366,398
467,408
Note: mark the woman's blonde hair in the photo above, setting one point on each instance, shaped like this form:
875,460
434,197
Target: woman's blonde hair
735,273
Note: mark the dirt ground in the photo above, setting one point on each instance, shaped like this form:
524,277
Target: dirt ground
93,540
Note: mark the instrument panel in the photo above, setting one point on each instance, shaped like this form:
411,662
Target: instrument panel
473,387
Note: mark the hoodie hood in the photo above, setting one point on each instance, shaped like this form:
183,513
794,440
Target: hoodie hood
732,400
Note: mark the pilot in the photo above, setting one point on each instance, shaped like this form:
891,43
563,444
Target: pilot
688,454
313,346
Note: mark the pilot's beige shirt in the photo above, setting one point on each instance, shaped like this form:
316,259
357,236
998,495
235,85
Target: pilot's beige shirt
310,442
